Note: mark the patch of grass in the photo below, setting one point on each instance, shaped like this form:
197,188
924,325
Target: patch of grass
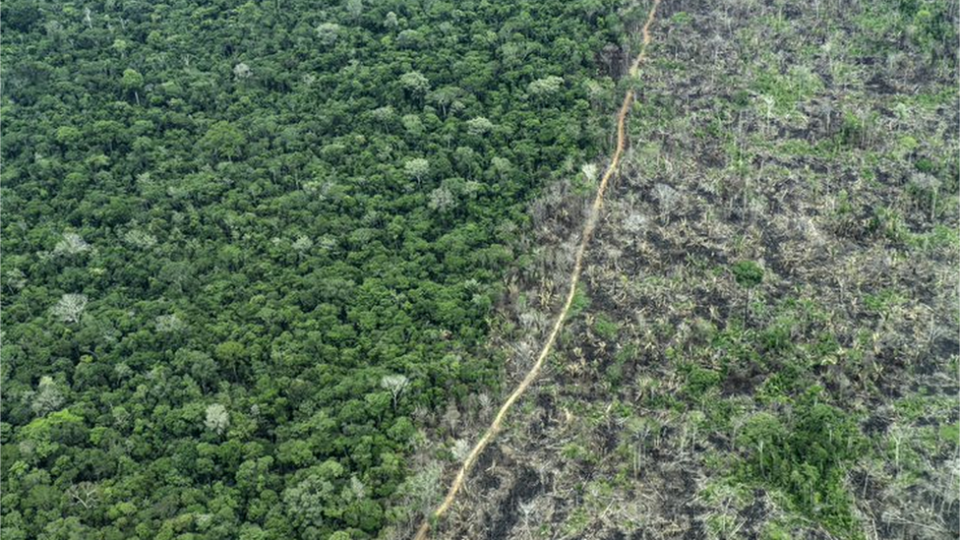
614,373
940,237
577,522
788,90
883,301
595,496
576,452
775,531
700,381
748,274
951,433
889,223
580,302
795,148
913,408
605,328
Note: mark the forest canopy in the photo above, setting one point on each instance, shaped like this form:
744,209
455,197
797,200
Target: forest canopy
248,245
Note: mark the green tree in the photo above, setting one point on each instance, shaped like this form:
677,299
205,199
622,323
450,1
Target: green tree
223,139
231,355
132,82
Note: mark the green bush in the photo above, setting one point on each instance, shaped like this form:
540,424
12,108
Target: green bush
748,274
805,454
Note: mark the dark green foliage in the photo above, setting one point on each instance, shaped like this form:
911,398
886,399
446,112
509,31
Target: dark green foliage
747,273
580,302
700,380
605,328
614,372
781,352
256,211
932,28
804,453
20,16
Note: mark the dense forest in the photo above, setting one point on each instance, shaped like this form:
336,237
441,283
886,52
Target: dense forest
248,247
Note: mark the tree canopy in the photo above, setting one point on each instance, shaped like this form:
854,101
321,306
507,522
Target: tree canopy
231,227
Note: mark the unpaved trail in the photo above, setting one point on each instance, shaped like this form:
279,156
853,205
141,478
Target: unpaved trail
574,280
